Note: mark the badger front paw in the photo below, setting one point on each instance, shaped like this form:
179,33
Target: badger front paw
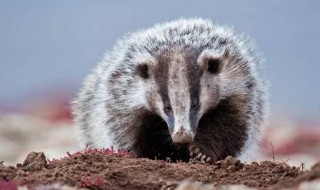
202,155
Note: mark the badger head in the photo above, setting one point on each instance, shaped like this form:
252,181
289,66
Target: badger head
181,85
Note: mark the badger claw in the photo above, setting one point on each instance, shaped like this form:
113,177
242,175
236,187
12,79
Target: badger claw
203,158
199,156
194,151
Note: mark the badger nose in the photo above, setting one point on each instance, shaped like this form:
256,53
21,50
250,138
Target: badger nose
182,136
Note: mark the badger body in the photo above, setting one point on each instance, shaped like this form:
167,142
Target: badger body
183,89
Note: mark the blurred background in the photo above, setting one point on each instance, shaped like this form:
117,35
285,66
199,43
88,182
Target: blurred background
48,47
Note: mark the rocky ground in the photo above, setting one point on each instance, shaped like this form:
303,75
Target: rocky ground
105,169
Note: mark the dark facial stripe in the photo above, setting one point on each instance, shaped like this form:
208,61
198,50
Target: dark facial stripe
194,90
161,75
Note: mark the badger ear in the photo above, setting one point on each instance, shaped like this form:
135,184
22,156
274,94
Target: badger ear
210,62
144,67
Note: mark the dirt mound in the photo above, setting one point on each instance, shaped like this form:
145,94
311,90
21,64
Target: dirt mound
103,169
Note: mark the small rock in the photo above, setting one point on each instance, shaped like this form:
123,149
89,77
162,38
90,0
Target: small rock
34,161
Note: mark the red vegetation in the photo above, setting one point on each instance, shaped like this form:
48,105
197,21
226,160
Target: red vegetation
91,181
107,151
8,185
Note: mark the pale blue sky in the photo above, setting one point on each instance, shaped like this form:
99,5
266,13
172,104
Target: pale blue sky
54,44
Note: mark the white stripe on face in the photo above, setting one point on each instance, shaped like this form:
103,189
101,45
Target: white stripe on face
179,95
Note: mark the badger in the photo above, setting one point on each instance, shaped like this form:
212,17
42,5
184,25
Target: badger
185,89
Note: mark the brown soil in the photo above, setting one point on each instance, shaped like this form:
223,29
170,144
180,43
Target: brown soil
101,169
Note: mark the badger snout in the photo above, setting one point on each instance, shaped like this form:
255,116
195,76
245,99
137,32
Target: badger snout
182,136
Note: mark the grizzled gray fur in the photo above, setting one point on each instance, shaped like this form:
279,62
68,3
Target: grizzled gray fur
183,89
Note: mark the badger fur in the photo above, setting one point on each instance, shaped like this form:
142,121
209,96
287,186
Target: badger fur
182,89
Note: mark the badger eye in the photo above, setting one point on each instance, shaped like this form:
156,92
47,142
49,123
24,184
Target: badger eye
168,109
194,106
